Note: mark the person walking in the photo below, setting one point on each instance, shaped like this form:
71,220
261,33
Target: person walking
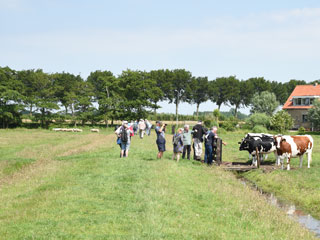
161,140
124,133
177,144
148,127
142,128
186,142
198,132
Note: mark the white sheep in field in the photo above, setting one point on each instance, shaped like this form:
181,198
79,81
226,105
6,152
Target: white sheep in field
77,130
56,129
94,130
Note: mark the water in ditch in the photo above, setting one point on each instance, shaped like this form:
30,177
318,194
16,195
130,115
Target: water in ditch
304,219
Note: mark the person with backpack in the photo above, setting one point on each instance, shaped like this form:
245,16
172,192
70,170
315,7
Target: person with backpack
124,133
177,144
198,132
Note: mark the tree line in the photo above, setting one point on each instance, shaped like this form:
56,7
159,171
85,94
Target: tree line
130,95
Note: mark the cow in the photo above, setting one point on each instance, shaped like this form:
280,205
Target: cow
294,146
264,143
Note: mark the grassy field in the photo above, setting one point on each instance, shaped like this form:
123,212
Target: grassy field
75,186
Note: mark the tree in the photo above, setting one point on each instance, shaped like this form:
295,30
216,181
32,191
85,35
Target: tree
314,114
83,106
10,97
179,80
260,84
265,102
161,79
280,90
198,91
281,121
45,97
107,92
66,86
218,91
137,88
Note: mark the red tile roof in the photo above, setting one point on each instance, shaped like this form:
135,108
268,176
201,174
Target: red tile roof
302,90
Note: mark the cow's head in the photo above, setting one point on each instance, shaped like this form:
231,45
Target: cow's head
278,139
244,145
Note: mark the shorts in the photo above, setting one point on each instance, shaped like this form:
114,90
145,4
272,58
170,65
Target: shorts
161,146
125,145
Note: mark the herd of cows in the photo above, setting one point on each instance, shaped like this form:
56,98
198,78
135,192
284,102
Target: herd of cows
283,146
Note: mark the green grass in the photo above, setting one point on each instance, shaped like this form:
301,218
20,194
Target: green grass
71,191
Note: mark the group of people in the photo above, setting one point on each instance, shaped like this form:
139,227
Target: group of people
182,139
143,126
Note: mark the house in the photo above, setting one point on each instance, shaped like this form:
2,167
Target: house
300,100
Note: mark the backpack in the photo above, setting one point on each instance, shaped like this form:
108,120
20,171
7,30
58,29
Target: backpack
176,140
124,135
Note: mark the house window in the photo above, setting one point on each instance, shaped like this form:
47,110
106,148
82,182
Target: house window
304,118
298,101
306,101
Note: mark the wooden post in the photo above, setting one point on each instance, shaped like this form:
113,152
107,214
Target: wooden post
219,151
258,157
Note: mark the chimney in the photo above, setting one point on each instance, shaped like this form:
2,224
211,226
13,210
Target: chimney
315,84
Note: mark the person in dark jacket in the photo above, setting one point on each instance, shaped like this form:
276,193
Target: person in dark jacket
198,132
209,140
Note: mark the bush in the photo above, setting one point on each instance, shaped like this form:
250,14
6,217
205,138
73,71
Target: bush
229,125
259,129
207,123
301,131
259,119
281,121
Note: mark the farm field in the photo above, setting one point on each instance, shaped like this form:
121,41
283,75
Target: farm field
75,186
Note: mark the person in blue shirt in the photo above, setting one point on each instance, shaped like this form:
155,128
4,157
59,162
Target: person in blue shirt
161,140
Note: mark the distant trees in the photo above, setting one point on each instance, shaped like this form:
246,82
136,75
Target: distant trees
131,95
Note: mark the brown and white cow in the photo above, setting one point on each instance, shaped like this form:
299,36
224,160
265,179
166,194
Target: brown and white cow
293,146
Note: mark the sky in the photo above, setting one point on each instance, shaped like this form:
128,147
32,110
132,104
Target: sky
278,40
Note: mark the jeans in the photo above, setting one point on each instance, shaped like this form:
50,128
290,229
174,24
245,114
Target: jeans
208,154
186,148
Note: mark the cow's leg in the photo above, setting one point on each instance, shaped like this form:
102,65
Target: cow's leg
254,160
309,158
277,159
301,160
265,156
281,161
261,157
288,163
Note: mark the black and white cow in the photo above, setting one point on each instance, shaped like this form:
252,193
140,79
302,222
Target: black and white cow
264,143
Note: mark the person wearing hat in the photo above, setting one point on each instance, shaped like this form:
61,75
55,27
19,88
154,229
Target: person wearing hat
198,132
161,140
124,135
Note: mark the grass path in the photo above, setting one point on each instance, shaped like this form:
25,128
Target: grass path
96,195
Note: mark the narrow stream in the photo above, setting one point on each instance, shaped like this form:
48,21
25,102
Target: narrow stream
306,220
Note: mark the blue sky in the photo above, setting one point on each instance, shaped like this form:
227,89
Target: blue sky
278,40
